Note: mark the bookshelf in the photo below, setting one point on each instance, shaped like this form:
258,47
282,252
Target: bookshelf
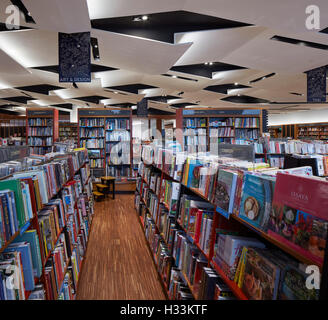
107,134
67,131
202,128
42,129
234,223
63,242
13,128
312,131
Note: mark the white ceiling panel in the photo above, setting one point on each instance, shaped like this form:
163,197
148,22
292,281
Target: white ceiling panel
214,45
284,15
117,8
136,54
58,15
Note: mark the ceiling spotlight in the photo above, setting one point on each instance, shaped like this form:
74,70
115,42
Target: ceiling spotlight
174,76
96,46
238,94
133,107
144,18
210,63
206,63
236,83
115,92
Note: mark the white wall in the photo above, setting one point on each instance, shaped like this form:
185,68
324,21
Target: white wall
311,116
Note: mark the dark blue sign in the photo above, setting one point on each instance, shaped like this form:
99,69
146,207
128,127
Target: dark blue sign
316,85
142,108
74,57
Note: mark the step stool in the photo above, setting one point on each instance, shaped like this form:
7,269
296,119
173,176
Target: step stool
98,195
109,181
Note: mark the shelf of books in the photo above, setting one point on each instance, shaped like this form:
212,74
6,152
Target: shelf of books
107,134
316,131
204,128
42,129
222,228
67,131
45,219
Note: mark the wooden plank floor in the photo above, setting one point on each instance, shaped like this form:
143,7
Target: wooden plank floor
118,264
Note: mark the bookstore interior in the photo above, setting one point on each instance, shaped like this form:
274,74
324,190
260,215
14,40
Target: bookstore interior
163,150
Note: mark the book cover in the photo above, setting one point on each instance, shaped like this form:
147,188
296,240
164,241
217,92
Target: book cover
256,200
293,286
261,277
299,215
225,191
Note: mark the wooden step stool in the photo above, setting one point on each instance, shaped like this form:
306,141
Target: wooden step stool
102,188
98,195
109,181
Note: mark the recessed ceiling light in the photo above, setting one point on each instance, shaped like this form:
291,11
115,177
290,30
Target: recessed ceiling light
210,63
238,94
174,76
263,78
236,83
115,92
206,63
133,107
96,46
144,18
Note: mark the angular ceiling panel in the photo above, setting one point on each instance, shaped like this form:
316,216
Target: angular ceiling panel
163,26
147,56
60,15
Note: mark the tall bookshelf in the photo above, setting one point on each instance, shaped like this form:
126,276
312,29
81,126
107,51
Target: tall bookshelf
107,134
42,129
67,131
202,127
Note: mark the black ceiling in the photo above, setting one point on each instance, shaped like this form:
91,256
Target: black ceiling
61,112
262,78
159,112
162,98
64,105
182,104
162,26
23,10
3,27
19,99
40,88
244,99
324,30
178,77
14,113
94,68
300,42
223,88
121,105
132,88
91,99
206,70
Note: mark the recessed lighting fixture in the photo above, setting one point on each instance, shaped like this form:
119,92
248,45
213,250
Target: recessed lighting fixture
238,94
115,92
96,46
264,78
133,107
144,18
210,63
174,76
206,63
236,83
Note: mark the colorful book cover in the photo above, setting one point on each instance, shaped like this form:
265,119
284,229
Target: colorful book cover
293,286
225,191
256,200
261,277
299,214
194,174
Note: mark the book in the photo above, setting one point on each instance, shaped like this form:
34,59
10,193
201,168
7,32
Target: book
261,278
225,191
256,199
298,217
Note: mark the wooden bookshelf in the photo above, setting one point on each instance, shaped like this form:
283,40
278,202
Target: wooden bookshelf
67,131
221,126
107,122
42,129
313,131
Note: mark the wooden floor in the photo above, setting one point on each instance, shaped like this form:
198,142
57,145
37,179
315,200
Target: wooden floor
118,264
